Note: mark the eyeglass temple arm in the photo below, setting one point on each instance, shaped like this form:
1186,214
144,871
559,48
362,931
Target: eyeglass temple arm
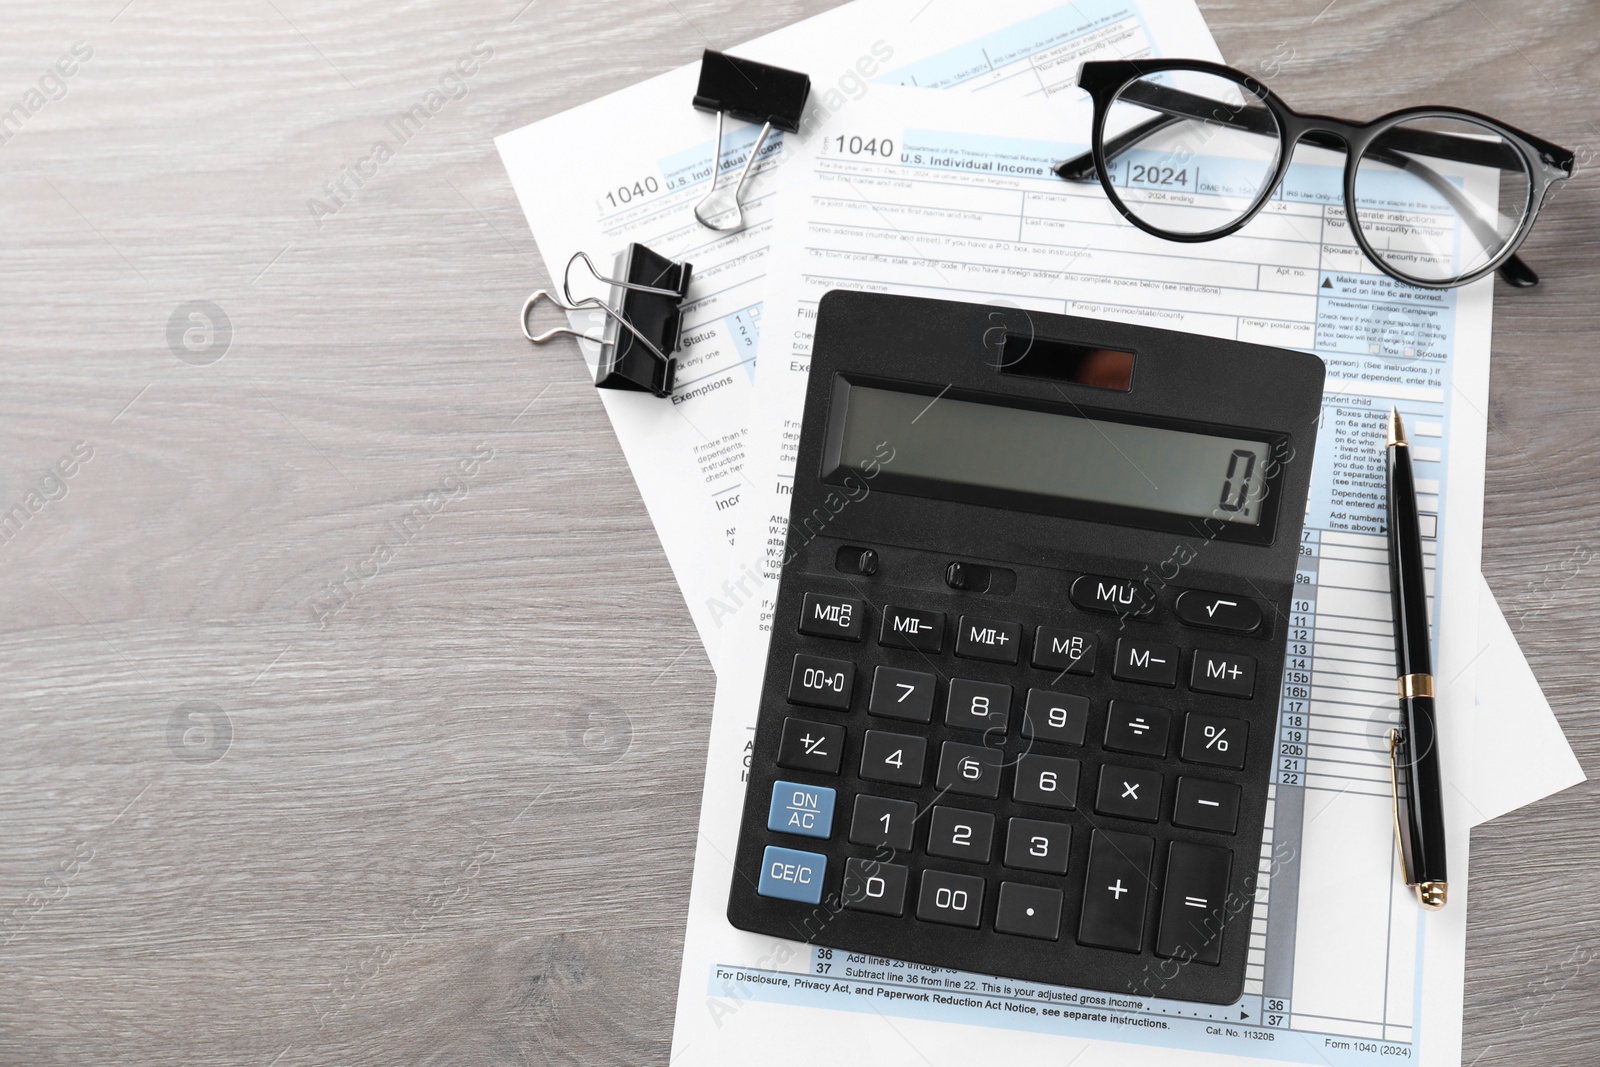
1513,271
1454,147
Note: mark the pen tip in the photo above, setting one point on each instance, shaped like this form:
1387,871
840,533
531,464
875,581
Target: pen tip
1397,429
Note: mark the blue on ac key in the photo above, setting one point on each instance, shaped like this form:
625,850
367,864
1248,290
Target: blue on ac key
790,874
806,810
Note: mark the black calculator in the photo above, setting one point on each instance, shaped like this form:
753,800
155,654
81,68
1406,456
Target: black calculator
1028,646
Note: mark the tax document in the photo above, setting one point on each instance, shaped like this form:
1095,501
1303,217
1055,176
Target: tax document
935,197
631,166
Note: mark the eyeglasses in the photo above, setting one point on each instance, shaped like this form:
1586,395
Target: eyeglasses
1434,196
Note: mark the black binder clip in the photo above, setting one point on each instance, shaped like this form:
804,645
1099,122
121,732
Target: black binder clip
642,319
755,92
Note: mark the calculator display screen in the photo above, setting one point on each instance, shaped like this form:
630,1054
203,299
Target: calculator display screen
942,445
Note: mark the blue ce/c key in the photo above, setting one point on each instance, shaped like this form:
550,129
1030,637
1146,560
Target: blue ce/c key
789,874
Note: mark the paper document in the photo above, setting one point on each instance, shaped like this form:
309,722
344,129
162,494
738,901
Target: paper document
1345,968
1511,704
630,167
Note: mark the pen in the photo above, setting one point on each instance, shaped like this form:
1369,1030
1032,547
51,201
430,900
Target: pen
1414,745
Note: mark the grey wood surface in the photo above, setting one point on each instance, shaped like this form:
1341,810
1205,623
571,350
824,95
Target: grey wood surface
453,820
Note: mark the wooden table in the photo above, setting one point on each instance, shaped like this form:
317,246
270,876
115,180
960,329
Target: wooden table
269,795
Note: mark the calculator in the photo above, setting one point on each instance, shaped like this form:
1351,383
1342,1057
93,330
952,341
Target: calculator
1028,646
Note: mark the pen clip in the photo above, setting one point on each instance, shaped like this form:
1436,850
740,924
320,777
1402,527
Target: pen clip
1402,839
1431,895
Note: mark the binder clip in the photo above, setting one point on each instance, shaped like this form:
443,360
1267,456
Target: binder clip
642,324
755,92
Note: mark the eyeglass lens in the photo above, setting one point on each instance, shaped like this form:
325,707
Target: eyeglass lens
1189,153
1433,219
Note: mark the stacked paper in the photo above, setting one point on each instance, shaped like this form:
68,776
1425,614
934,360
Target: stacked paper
1341,951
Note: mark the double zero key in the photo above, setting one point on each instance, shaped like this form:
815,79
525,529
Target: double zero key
821,682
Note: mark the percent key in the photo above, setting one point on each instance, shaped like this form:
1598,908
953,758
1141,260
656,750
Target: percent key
1214,739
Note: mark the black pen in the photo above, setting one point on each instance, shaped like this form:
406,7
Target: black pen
1414,745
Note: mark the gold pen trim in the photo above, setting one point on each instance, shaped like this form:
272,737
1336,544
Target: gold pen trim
1397,429
1414,685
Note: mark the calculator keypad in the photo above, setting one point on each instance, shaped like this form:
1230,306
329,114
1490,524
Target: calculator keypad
971,770
1055,649
1225,675
1112,596
1048,781
1129,793
989,639
1029,911
1114,890
894,758
1037,845
876,887
986,758
1061,718
959,834
1214,739
956,899
821,682
1137,728
804,810
833,616
1147,662
811,746
977,705
790,874
1192,901
901,694
1217,611
1206,805
881,821
919,631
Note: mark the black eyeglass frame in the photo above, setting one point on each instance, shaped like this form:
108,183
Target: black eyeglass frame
1544,163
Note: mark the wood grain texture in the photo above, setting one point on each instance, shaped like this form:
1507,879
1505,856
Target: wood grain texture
452,822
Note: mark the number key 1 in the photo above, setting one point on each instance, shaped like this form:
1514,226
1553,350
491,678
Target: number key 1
879,821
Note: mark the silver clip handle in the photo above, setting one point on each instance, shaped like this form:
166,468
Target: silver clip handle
737,223
575,305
